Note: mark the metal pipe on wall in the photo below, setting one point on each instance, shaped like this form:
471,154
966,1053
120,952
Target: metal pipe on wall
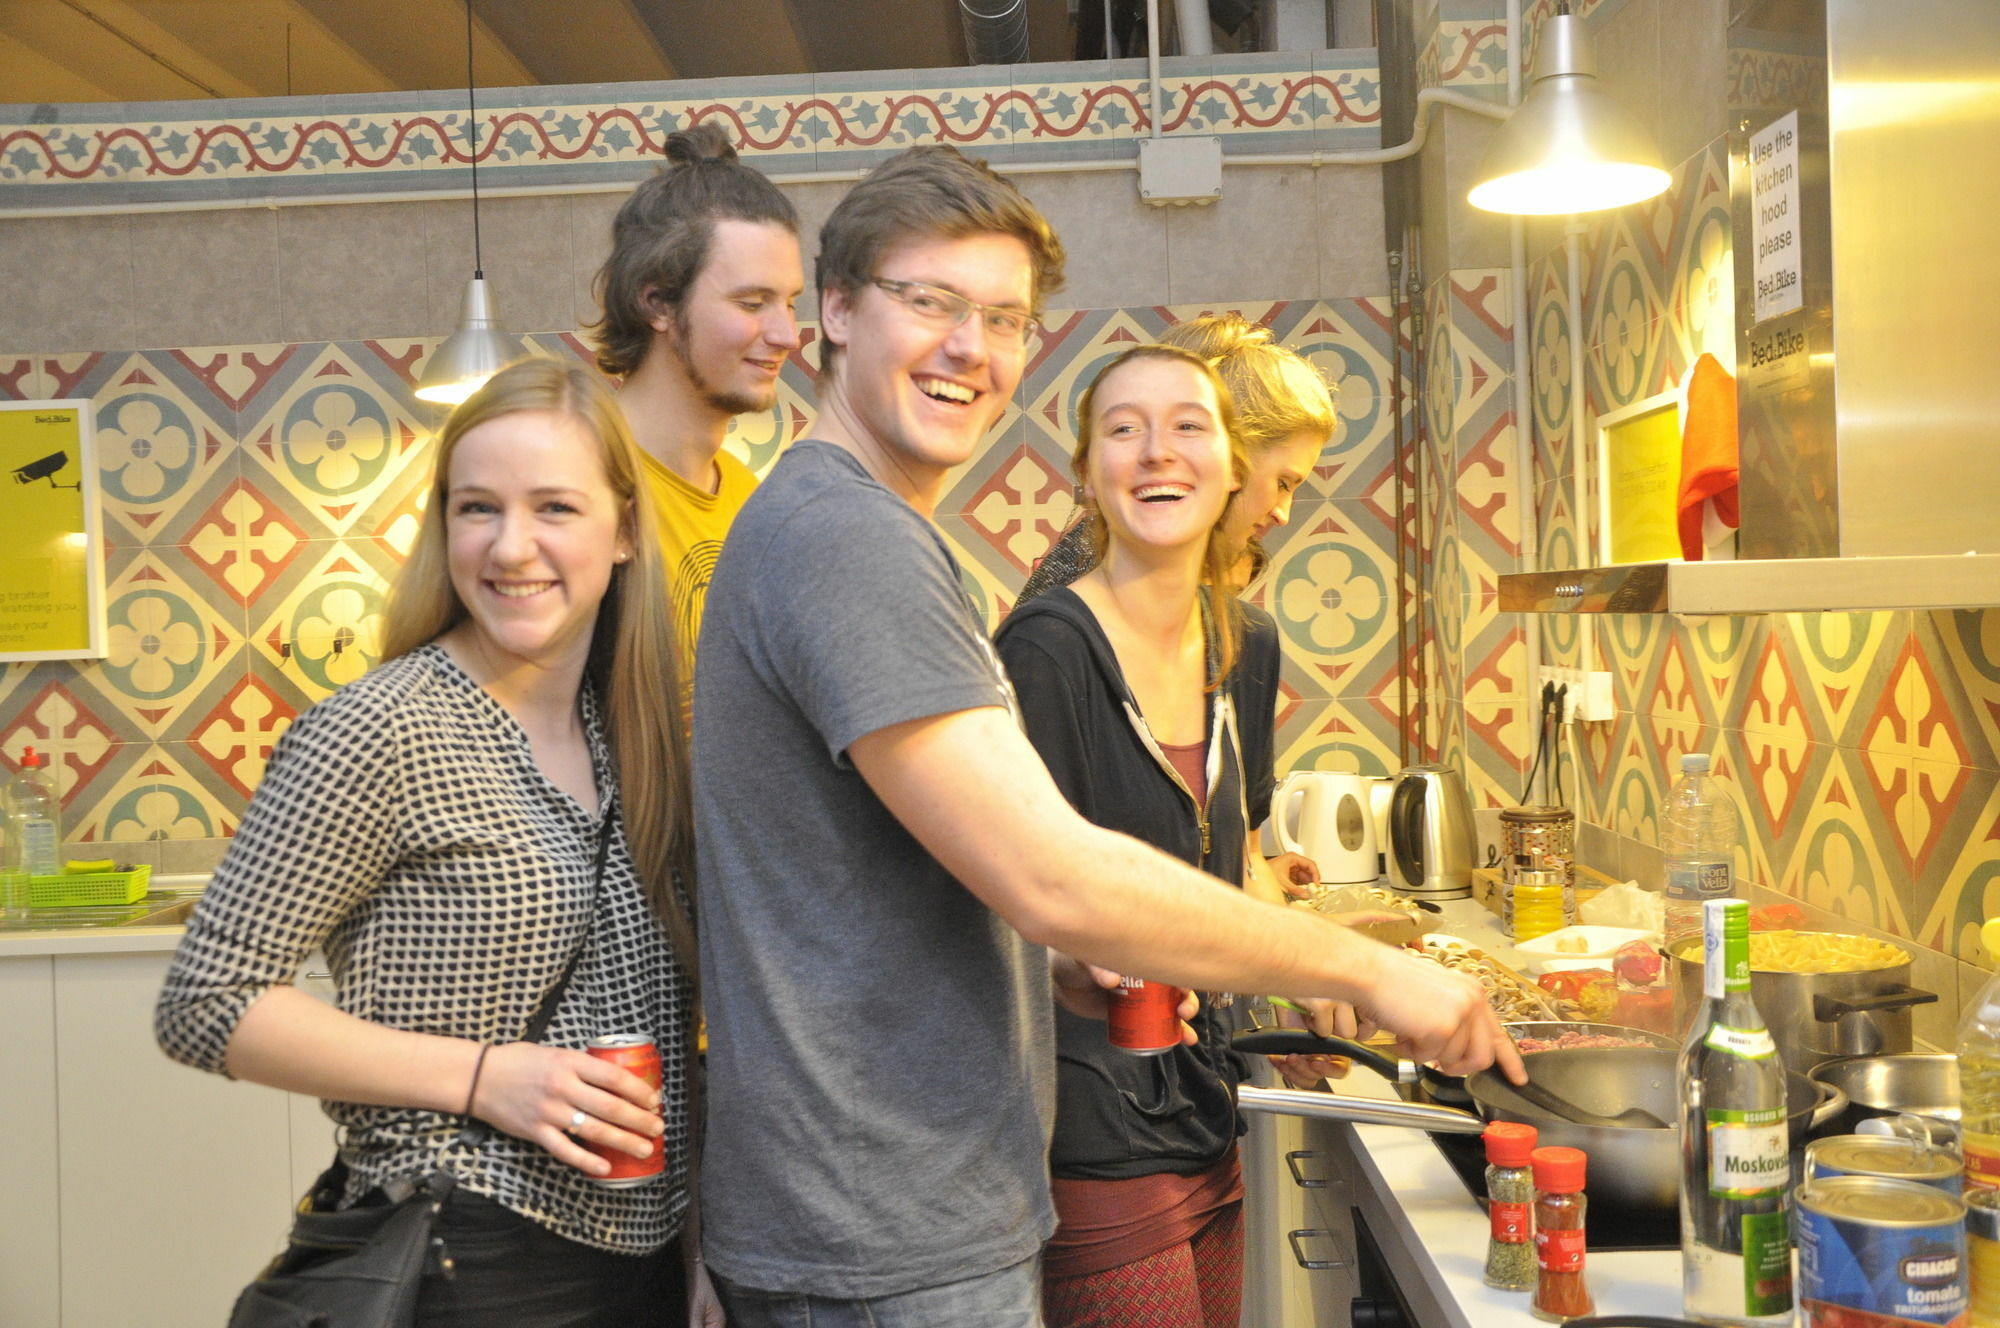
1154,100
1524,360
1573,233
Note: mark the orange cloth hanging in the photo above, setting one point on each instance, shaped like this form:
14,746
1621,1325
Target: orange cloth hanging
1708,452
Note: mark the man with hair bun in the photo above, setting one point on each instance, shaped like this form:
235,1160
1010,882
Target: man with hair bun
697,317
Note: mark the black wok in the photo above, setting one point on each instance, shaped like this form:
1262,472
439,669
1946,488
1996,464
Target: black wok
1630,1165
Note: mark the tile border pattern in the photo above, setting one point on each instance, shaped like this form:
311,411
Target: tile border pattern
416,142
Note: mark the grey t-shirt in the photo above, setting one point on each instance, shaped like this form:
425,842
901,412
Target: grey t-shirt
881,1057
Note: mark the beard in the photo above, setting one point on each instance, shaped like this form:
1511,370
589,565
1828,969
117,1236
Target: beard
727,400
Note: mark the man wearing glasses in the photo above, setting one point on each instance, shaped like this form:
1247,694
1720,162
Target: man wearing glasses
883,857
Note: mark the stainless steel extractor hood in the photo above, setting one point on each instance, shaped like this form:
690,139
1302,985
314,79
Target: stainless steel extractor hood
1868,366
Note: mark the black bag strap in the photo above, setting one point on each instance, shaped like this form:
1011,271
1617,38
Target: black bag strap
539,1024
472,1130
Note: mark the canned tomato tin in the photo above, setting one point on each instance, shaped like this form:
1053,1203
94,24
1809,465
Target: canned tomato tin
638,1055
1895,1159
1879,1251
1982,1253
1144,1016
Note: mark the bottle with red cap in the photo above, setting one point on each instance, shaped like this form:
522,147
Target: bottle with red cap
1510,1197
37,815
1560,1291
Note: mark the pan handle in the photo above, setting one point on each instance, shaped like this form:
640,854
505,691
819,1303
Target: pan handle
1305,1042
1357,1110
1830,1009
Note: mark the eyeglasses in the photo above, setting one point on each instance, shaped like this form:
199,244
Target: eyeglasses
946,308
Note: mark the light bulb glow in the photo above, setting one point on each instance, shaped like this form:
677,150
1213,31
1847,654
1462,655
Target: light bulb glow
1560,188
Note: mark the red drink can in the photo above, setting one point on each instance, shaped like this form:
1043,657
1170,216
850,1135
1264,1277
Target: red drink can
637,1055
1144,1016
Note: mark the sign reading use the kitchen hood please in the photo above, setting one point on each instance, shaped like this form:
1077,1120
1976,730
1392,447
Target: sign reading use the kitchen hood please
1774,211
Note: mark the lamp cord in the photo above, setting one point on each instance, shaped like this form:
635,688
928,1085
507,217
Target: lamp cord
472,146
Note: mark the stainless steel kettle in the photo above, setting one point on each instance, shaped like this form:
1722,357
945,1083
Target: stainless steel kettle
1431,839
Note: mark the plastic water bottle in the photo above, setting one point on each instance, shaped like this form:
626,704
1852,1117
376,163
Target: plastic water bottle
1698,836
13,861
39,814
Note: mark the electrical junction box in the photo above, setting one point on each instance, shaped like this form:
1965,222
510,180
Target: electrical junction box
1177,172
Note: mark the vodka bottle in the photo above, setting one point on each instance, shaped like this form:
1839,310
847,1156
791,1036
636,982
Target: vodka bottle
1698,836
1736,1171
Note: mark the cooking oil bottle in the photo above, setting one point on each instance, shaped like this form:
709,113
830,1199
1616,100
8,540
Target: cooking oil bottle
1979,1075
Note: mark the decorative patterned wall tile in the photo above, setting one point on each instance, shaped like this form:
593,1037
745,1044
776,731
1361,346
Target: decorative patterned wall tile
1954,699
525,136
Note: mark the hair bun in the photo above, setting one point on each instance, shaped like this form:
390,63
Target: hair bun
706,141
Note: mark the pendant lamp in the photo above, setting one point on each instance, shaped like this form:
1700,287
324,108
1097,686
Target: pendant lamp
477,350
1569,146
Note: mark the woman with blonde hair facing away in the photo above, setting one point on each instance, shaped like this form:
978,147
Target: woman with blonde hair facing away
496,814
1129,681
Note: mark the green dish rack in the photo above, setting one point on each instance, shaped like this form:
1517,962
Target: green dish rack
81,889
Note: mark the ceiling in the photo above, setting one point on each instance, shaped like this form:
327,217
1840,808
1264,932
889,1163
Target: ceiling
171,50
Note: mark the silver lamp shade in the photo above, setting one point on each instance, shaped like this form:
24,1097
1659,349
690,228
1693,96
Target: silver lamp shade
1569,146
469,356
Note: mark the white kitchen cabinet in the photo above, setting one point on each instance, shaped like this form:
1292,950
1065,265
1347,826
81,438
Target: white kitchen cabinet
30,1244
1297,1187
133,1190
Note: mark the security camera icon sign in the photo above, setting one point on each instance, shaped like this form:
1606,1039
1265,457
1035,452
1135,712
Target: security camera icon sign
44,469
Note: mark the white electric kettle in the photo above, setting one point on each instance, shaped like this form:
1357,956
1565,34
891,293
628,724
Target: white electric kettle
1326,816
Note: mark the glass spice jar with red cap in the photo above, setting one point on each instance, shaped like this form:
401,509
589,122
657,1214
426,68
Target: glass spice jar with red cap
1510,1197
1560,1291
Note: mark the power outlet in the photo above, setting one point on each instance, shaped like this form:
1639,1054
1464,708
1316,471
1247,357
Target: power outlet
1589,697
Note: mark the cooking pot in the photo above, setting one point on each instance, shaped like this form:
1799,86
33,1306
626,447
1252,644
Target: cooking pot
1919,1085
1630,1166
1817,1017
1431,848
1325,815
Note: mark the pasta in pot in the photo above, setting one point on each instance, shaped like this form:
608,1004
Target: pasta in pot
1814,952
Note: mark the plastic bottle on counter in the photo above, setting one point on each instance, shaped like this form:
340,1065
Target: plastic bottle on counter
1561,1294
1510,1198
1979,1075
1698,836
33,801
1736,1169
13,864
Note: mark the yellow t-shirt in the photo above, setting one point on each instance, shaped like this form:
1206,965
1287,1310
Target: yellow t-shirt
693,524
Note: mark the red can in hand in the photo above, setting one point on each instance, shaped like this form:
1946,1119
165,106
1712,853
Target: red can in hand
1144,1016
637,1055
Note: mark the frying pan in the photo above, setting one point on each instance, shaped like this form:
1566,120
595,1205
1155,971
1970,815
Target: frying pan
1631,1165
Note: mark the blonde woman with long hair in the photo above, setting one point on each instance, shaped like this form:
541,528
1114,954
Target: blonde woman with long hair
500,804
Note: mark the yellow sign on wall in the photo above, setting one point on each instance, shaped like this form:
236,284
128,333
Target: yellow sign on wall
1639,461
51,560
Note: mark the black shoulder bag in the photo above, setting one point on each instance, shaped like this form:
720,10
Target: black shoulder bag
363,1267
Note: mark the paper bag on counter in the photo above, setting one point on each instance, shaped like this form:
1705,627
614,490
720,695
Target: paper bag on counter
1626,904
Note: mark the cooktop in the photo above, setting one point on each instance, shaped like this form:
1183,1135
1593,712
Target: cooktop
1606,1228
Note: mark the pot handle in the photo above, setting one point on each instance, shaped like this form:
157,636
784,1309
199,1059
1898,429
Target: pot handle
1832,1009
1832,1104
1357,1110
1305,1042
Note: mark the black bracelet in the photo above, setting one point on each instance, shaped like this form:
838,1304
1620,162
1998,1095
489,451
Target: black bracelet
473,1091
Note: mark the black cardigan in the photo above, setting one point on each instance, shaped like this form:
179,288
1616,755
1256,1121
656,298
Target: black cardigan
1119,1115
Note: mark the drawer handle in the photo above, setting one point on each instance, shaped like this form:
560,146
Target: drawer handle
324,977
1314,1265
1305,1182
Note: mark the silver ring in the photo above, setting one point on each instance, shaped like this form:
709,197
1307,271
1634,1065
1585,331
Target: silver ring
576,1120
